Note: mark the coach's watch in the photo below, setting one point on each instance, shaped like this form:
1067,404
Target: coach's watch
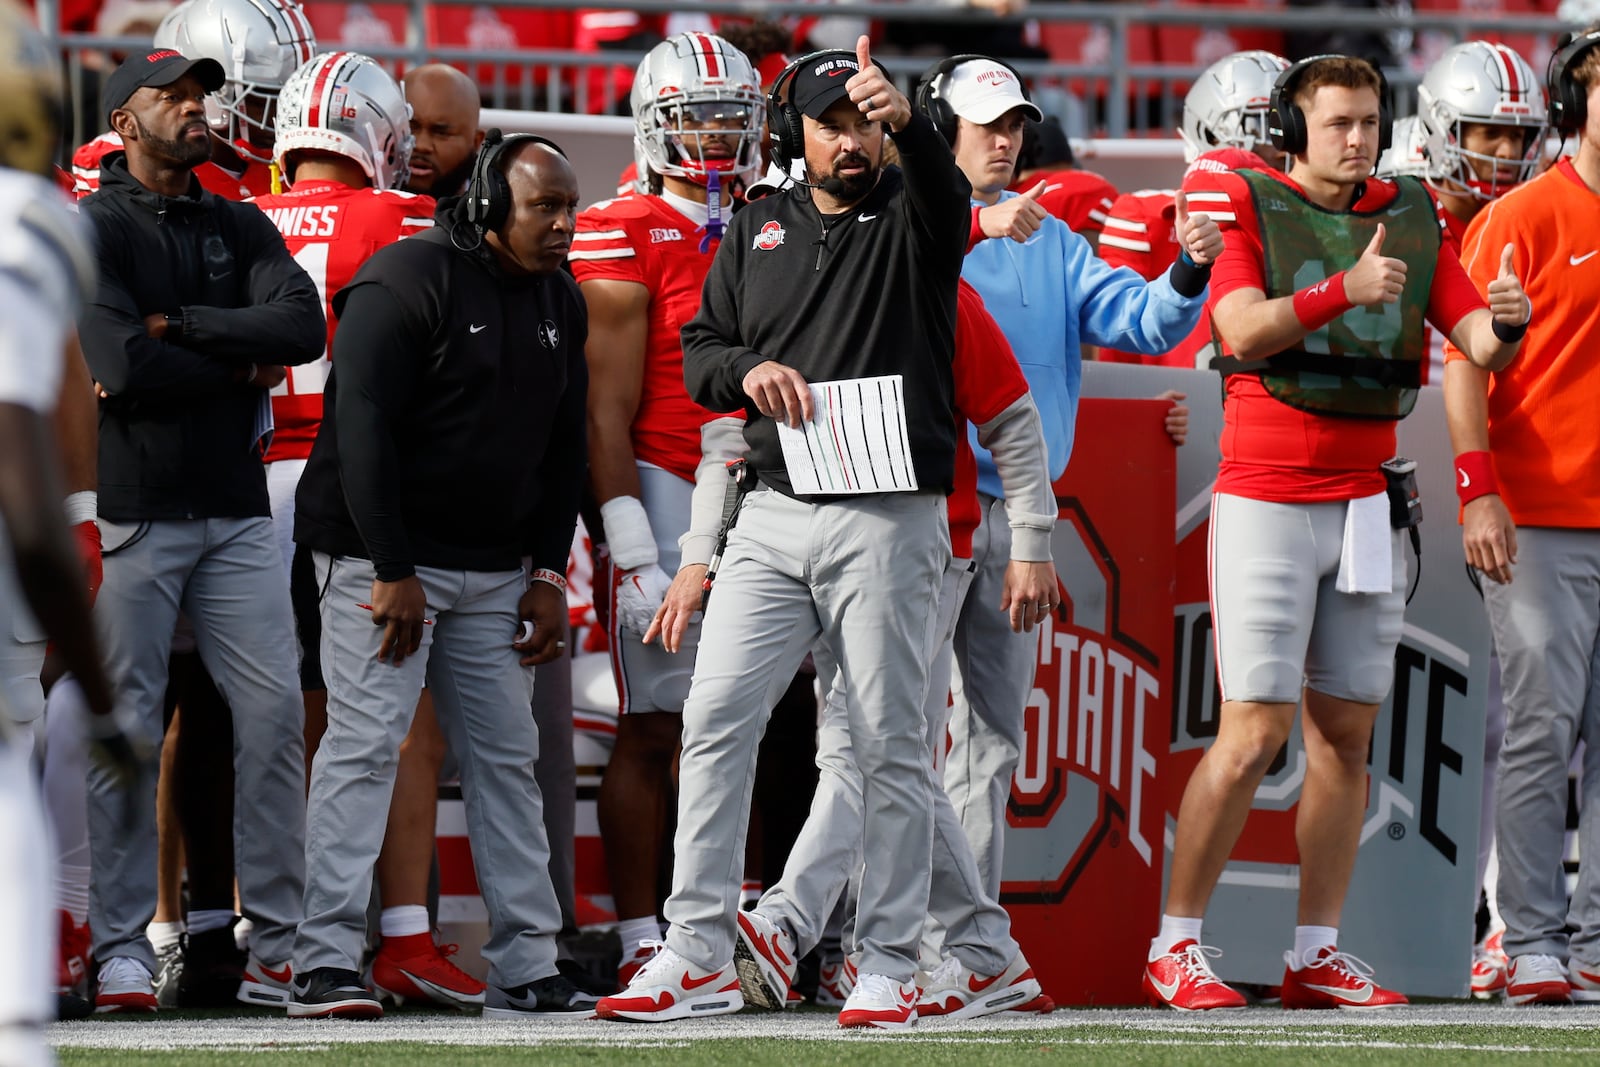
174,331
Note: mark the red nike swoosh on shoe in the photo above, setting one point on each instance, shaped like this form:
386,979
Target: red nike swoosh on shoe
282,975
979,986
908,999
696,983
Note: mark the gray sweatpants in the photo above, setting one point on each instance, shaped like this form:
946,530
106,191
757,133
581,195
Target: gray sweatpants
1547,633
975,928
992,678
481,694
863,575
226,576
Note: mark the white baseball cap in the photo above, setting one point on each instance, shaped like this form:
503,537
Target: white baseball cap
981,90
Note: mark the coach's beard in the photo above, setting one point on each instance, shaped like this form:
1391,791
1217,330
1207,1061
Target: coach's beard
848,189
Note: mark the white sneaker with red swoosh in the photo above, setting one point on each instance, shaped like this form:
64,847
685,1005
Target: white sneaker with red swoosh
765,959
954,992
1182,979
880,1001
1333,979
670,987
1536,978
265,985
1584,978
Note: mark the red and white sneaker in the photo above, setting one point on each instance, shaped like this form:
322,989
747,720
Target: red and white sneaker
670,987
954,992
629,967
1585,982
1039,1005
266,986
1334,979
1183,980
125,986
72,961
1489,967
835,979
881,1002
415,968
1537,979
765,959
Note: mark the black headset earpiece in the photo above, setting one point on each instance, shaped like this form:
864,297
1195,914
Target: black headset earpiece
786,128
930,97
1568,101
1286,122
489,194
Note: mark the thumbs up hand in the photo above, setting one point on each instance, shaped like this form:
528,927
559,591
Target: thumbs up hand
875,94
1016,217
1198,234
1507,302
1376,278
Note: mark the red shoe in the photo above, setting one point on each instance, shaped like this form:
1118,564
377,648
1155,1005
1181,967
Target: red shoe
1334,980
765,959
72,962
670,987
1489,967
415,968
1183,980
1039,1005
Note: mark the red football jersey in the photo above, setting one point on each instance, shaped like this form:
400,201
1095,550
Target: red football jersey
644,239
331,230
254,180
1272,451
1079,198
987,380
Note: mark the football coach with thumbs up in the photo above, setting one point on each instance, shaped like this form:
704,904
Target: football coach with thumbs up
850,276
1320,298
1529,483
1050,294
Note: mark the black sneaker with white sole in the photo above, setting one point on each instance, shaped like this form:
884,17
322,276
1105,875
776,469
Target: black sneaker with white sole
552,998
332,993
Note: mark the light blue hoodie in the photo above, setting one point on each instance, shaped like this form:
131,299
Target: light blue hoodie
1052,294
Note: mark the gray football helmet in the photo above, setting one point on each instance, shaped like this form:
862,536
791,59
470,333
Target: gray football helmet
691,91
1227,105
1484,83
345,103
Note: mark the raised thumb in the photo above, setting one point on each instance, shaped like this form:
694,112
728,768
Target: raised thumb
1507,267
1375,246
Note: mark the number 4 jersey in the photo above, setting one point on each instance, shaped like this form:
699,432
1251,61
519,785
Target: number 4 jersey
331,230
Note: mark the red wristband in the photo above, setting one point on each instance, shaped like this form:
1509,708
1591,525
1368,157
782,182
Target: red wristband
1317,305
1475,476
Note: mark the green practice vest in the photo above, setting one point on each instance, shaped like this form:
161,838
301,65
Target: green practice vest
1367,363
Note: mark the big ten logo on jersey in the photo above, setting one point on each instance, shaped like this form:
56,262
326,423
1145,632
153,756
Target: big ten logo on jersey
658,234
315,221
1084,781
1414,765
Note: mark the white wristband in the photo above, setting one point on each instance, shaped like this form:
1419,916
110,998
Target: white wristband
82,507
628,533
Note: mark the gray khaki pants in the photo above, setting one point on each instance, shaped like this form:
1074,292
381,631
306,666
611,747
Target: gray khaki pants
863,575
226,575
1547,633
482,695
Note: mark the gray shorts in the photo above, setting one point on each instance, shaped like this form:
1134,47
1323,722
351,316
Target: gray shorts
648,677
1279,623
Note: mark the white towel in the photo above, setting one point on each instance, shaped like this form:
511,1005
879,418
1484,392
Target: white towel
1366,564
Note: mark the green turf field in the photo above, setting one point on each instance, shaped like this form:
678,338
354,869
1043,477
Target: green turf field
1449,1034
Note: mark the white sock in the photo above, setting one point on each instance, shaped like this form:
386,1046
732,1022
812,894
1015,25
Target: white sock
72,891
163,935
636,931
403,920
1174,928
1308,939
209,919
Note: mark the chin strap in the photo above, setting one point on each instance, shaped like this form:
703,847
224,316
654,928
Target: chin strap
713,228
277,178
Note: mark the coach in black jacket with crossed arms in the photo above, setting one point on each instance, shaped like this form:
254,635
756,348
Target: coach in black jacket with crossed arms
849,276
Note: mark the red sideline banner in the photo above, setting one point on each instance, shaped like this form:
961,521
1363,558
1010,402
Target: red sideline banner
1082,870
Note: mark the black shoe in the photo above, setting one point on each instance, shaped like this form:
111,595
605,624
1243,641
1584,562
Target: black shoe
548,998
585,982
72,1006
169,969
213,967
331,993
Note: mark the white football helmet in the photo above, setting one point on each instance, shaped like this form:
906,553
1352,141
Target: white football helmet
259,44
345,103
683,87
1407,155
32,100
1227,105
1485,83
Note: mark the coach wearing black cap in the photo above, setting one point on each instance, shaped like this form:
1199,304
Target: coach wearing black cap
198,307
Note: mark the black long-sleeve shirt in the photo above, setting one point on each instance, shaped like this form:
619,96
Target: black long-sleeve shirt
177,432
869,292
453,420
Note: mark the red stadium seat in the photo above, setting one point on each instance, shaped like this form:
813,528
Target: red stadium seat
499,29
356,26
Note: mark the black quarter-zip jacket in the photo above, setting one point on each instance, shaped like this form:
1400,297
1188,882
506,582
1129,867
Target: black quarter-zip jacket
177,432
453,420
869,292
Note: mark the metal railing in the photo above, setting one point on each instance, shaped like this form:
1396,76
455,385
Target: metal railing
1121,98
